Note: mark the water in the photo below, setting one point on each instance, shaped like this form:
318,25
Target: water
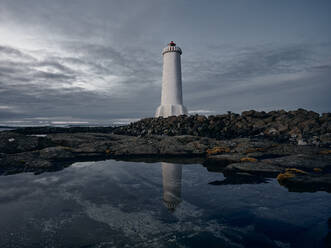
62,122
127,204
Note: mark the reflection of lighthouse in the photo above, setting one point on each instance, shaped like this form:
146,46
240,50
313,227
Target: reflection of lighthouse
172,185
171,99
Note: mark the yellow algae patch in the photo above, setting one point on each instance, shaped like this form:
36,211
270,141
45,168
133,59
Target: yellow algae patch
325,152
255,149
248,159
295,170
283,176
317,170
217,150
289,173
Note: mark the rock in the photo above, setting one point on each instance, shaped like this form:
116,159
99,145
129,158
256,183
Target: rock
289,173
256,114
217,163
256,168
302,161
248,159
301,142
218,150
305,182
280,126
56,153
229,158
11,142
325,139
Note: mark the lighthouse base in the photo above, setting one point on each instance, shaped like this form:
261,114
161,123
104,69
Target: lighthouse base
170,110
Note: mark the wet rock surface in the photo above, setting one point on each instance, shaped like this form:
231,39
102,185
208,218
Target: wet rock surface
301,181
246,148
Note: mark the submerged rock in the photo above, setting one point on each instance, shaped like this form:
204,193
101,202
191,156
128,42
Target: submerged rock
300,181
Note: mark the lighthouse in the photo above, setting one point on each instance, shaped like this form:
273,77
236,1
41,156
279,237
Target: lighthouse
172,97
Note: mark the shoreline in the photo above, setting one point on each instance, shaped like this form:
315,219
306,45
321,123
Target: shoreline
300,160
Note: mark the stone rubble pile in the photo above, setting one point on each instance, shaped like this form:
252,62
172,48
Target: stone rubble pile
300,126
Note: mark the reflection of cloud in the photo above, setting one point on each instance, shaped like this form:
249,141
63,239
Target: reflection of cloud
124,199
140,226
46,180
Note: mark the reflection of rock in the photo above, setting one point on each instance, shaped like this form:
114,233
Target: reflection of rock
240,178
172,177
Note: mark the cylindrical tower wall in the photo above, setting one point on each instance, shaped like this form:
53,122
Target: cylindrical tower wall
171,79
171,97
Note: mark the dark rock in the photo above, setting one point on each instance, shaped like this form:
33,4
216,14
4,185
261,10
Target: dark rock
226,158
11,142
302,161
294,126
308,183
56,153
256,168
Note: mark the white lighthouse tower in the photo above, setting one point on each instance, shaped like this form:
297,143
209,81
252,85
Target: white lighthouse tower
172,98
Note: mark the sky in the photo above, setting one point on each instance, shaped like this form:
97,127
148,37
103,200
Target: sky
100,60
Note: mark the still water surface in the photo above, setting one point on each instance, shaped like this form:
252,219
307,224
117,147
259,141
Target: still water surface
127,204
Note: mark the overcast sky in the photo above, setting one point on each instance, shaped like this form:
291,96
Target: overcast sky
101,59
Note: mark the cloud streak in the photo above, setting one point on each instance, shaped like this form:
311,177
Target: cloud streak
92,61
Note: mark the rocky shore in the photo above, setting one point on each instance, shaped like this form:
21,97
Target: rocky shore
298,127
294,146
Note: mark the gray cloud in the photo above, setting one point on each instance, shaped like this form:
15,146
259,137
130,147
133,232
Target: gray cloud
251,76
102,60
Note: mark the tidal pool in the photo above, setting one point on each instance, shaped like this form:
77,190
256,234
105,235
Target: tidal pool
130,204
